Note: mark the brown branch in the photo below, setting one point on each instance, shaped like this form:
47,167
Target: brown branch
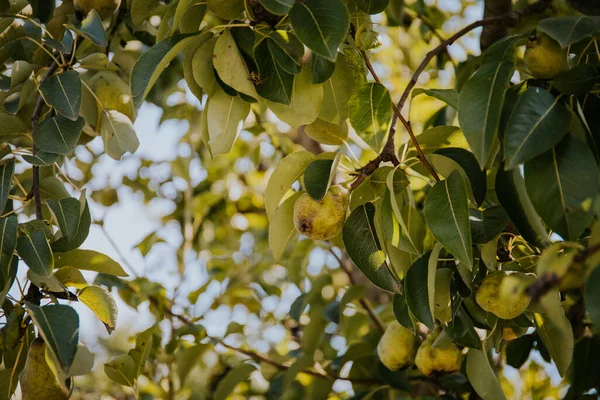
550,280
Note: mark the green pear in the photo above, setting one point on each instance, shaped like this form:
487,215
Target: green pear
321,219
397,347
544,57
37,379
444,357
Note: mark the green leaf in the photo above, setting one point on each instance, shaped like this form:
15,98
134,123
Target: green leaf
401,311
230,65
202,63
480,107
58,134
417,292
70,276
59,326
6,174
92,29
512,194
83,228
504,50
468,163
8,239
100,301
281,227
305,104
287,50
121,370
226,9
8,274
364,249
320,25
89,260
592,298
562,184
487,224
140,10
483,377
538,122
584,375
118,134
337,92
19,73
578,80
153,62
83,362
41,158
448,96
277,83
322,69
277,7
554,328
66,212
447,215
189,19
370,110
142,349
442,307
568,30
11,126
63,92
285,174
462,331
232,379
35,251
187,359
327,133
226,116
372,6
517,350
316,178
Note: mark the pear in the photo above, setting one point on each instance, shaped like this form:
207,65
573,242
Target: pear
544,57
444,357
503,294
37,379
397,347
321,219
112,92
104,8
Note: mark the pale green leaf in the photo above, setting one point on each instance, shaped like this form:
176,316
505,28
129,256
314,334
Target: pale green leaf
89,260
101,302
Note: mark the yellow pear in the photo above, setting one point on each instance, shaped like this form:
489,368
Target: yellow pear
544,57
104,8
112,92
37,379
444,357
397,347
321,219
503,294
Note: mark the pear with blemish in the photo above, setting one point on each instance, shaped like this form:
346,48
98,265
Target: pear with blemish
438,358
321,219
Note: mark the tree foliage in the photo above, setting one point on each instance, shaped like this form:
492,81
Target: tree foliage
459,217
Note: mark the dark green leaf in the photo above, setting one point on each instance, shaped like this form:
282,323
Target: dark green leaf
83,228
592,298
396,379
8,274
462,331
277,83
469,164
59,326
316,178
584,374
401,311
92,29
517,350
504,50
372,6
511,191
277,7
322,69
35,251
480,107
66,212
6,174
41,158
63,92
447,215
321,25
287,51
578,80
370,110
482,376
58,134
486,224
568,30
562,184
364,249
417,294
8,238
537,123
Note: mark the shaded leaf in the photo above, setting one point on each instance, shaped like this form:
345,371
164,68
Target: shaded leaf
66,212
63,92
448,96
118,134
483,377
92,29
281,226
121,370
225,116
232,379
370,109
58,134
35,251
6,174
417,293
571,29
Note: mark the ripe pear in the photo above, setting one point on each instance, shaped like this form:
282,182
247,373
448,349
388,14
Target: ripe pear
544,57
321,219
104,8
445,357
397,347
503,294
112,92
37,379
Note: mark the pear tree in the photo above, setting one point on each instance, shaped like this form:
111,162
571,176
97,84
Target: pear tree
370,199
